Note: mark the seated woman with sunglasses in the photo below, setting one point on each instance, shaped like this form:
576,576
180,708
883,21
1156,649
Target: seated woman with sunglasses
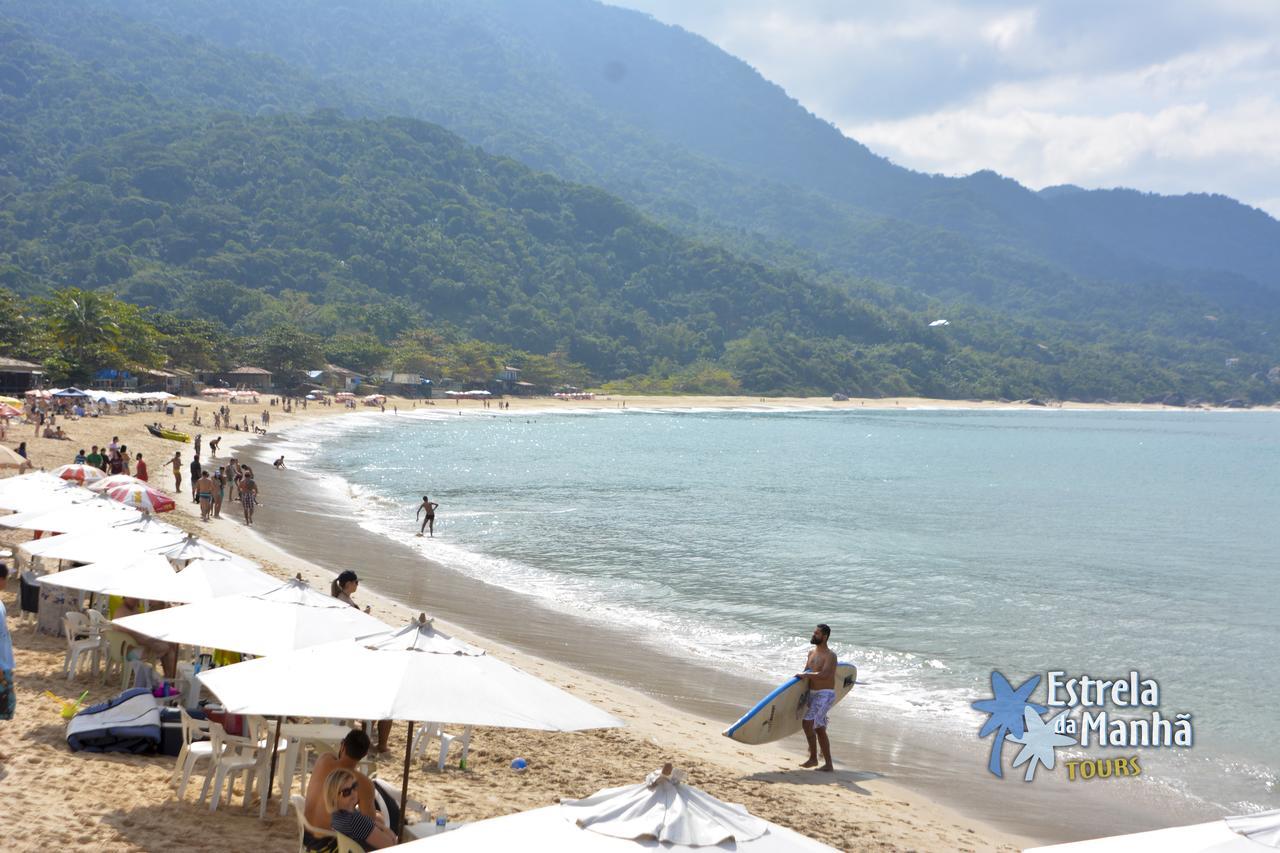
340,799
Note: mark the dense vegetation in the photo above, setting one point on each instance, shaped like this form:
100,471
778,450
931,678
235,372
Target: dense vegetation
181,176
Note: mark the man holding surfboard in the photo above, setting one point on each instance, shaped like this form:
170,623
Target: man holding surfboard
820,672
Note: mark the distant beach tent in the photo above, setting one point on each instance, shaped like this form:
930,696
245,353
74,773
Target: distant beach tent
940,323
661,813
1243,834
70,392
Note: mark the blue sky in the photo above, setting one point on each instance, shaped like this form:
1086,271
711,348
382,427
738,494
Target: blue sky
1171,97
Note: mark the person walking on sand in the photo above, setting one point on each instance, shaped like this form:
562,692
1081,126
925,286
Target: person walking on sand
820,671
429,521
220,487
176,462
195,470
248,495
204,493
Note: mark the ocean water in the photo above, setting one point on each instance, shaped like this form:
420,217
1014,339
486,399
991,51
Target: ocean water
940,545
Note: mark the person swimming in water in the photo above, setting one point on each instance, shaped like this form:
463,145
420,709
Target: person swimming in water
429,521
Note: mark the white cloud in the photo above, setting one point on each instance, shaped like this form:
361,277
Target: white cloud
1164,95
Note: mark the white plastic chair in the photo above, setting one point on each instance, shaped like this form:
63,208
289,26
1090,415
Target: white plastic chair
300,811
193,750
117,645
79,643
233,757
429,730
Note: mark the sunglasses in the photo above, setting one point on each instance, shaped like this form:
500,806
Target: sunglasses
346,792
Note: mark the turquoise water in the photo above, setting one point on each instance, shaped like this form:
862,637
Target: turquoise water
939,545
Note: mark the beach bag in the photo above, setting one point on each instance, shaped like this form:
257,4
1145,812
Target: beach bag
128,723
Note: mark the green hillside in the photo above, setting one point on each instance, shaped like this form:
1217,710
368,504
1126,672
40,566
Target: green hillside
123,170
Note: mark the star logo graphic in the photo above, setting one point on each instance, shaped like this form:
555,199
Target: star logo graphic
1006,707
1039,741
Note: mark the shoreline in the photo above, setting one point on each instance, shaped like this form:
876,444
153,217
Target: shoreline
854,810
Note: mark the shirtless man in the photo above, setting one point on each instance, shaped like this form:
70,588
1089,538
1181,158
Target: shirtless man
248,494
820,671
176,462
354,747
205,488
430,519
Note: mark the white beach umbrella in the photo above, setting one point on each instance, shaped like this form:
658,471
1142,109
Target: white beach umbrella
32,491
290,616
411,673
662,813
1244,834
108,543
147,576
94,514
193,548
205,579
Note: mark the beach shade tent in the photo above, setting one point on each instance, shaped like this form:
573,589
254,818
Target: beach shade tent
1255,833
79,473
69,392
290,616
411,673
142,497
661,813
145,576
10,401
77,517
10,458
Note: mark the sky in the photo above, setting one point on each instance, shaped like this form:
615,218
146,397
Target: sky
1168,96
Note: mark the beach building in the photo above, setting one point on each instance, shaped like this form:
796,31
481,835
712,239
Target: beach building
115,380
405,384
508,382
336,378
18,377
174,380
254,378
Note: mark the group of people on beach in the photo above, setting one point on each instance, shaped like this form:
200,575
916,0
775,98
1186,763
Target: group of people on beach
113,458
210,489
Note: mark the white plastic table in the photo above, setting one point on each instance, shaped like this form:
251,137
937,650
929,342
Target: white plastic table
302,736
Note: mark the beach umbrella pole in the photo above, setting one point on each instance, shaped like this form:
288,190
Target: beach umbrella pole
275,750
404,781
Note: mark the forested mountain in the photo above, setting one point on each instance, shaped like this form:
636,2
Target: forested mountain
238,162
665,119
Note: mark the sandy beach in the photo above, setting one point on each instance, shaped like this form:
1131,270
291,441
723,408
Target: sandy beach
112,802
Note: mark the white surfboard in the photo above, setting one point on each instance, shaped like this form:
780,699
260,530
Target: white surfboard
781,712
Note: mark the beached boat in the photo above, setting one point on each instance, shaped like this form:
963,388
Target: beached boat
172,435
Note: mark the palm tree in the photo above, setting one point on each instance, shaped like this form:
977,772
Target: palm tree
84,325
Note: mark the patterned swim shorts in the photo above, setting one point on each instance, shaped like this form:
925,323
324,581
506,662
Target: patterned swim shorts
820,702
